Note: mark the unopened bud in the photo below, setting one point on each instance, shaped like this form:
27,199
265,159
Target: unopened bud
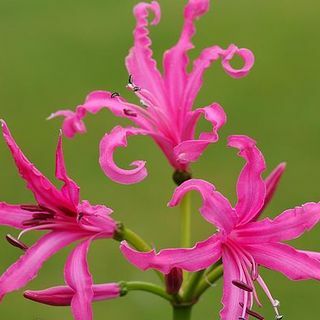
174,281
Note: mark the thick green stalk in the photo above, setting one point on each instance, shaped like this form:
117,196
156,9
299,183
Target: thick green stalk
209,279
182,312
191,285
185,208
145,286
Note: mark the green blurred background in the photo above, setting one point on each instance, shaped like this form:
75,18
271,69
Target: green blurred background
54,52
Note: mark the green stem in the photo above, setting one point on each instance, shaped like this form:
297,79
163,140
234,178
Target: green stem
207,282
185,208
135,240
182,312
145,286
192,285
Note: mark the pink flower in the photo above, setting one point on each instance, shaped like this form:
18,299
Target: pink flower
165,113
66,218
80,290
241,241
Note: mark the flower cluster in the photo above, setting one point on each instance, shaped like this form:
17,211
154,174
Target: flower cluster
242,242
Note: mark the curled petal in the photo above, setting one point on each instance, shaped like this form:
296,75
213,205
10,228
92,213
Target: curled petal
72,123
272,183
70,189
94,103
294,264
216,208
28,265
13,215
190,150
44,191
247,57
201,256
289,225
206,58
251,189
176,59
62,295
139,62
79,279
232,295
118,138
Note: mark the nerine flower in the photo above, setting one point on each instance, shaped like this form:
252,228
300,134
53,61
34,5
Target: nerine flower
165,113
80,290
243,243
66,219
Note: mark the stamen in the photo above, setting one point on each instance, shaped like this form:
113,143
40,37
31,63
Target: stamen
43,216
129,113
252,313
115,94
31,207
143,103
16,243
135,89
275,303
242,285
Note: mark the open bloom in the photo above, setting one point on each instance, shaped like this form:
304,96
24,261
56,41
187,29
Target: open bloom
243,243
165,113
63,215
80,290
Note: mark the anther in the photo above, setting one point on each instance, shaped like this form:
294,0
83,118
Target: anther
31,207
252,313
115,94
129,113
130,79
276,303
279,317
135,89
242,285
16,243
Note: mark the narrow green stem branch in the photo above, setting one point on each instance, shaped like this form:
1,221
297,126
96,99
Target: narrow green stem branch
209,279
182,312
185,208
135,240
191,285
147,287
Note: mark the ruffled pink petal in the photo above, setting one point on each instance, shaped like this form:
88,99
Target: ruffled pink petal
201,256
283,258
215,208
28,265
97,217
139,62
70,189
62,295
44,191
78,277
118,138
190,150
94,103
206,58
72,123
251,189
289,225
272,183
13,215
232,295
176,59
